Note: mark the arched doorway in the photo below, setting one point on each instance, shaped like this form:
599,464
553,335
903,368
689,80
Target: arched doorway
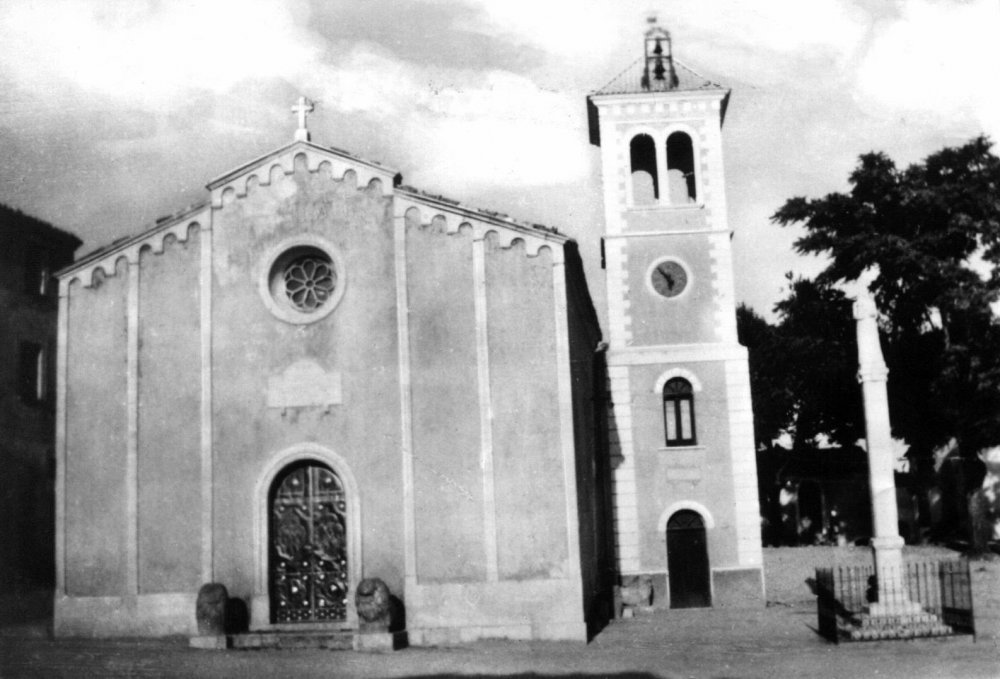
687,561
307,556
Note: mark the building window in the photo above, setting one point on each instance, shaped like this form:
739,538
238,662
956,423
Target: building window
302,280
678,412
645,184
310,280
680,169
37,271
33,373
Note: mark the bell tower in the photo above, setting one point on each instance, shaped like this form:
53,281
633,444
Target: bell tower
681,421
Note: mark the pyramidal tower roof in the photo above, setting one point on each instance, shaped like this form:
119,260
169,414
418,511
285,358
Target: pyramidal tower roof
635,80
657,70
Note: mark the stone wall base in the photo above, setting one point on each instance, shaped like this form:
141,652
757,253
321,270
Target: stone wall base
145,615
453,613
455,636
741,587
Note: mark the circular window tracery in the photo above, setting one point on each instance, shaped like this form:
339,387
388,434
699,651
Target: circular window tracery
310,281
303,280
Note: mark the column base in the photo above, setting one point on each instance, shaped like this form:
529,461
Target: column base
893,609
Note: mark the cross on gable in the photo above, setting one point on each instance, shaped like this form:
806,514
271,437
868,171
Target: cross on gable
302,109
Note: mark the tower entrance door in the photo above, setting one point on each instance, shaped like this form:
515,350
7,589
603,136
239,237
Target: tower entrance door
307,565
687,561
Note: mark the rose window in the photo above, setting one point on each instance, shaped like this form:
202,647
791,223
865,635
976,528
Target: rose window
309,282
303,280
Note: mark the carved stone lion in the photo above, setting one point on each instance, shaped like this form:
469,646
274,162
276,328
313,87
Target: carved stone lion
374,604
211,609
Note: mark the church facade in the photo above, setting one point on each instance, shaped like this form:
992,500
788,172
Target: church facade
321,375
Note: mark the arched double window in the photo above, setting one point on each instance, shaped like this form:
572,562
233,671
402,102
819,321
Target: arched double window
680,186
678,412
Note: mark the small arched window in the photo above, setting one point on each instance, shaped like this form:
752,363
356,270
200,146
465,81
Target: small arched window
678,412
645,183
680,169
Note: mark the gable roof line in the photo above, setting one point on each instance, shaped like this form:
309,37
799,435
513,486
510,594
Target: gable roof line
125,242
164,224
260,160
488,216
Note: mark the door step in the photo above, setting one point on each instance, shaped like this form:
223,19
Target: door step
289,640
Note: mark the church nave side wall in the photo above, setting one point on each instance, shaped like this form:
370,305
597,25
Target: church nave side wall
168,435
96,438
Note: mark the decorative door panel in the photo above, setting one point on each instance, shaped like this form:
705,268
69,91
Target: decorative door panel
308,573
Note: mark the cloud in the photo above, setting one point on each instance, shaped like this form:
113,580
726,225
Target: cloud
150,52
590,31
937,64
461,127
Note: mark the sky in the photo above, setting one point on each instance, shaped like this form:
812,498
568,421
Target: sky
115,113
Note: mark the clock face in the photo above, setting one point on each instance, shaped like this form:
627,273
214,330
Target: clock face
669,279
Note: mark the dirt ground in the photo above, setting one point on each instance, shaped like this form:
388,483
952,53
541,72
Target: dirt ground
774,641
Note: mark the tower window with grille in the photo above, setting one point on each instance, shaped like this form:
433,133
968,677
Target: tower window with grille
678,412
645,183
680,169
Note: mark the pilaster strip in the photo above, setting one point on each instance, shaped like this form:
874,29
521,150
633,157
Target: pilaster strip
62,352
564,375
485,410
207,467
405,405
132,444
743,463
625,489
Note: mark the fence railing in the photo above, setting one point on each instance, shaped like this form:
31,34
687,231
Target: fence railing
941,588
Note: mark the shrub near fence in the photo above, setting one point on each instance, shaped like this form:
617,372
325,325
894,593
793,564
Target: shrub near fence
941,588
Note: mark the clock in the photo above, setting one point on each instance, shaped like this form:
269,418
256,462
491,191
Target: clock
669,278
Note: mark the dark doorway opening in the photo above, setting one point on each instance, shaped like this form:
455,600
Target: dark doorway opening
687,561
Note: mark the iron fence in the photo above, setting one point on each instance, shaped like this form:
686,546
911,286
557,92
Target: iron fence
942,589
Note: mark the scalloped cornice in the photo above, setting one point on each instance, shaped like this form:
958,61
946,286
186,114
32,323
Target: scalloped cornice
106,259
313,157
427,209
261,170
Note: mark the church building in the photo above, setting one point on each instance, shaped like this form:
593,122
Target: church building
321,375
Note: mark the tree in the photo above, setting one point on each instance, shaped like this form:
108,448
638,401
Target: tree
802,370
920,230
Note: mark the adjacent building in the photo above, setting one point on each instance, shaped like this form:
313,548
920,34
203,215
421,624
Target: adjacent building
30,251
